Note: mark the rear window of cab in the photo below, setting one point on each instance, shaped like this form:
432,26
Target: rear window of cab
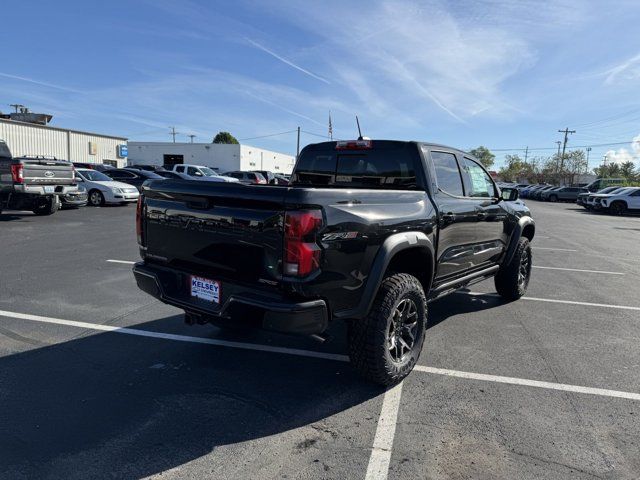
391,165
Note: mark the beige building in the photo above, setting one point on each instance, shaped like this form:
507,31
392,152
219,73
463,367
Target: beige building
73,145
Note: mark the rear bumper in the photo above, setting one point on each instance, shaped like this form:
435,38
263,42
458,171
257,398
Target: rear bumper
240,307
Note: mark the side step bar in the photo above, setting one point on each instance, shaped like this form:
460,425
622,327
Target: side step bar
453,285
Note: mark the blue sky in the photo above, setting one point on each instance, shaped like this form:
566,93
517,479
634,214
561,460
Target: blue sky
464,73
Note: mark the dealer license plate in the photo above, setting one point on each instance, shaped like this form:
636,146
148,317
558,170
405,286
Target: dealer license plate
205,289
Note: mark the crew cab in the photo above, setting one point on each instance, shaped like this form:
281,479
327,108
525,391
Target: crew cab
33,183
367,232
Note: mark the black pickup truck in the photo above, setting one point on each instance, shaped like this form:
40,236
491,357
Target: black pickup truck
34,183
368,231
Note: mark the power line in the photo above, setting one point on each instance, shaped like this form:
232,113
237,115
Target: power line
315,134
553,148
265,136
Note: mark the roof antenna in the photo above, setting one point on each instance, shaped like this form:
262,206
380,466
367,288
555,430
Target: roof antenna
359,132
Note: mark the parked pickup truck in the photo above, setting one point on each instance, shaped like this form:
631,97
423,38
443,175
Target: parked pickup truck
33,183
368,231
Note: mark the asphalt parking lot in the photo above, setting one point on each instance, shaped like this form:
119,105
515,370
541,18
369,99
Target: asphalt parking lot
98,379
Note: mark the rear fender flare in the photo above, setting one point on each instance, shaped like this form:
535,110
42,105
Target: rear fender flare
391,247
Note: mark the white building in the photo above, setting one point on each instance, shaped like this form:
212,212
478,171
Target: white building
221,157
73,145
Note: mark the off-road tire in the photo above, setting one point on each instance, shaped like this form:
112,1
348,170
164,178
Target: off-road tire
617,208
47,207
508,282
369,337
96,198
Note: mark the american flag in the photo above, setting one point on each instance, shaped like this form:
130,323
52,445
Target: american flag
330,127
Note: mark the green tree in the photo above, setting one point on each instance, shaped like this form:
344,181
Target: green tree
627,170
225,137
484,155
516,169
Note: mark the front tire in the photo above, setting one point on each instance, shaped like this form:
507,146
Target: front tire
513,278
617,208
553,198
385,345
96,199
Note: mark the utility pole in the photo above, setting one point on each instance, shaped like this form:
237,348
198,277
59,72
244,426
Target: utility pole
588,151
298,145
173,133
566,132
558,142
526,154
192,136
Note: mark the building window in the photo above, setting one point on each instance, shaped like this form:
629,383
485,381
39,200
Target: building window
252,164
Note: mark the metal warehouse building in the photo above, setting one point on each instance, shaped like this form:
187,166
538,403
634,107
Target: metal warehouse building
34,139
220,157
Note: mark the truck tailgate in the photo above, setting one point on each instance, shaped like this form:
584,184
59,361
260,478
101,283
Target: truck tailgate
47,172
217,230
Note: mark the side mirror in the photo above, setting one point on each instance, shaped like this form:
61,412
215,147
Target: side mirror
78,179
198,174
509,194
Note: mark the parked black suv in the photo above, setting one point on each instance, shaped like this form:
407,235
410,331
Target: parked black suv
132,176
368,231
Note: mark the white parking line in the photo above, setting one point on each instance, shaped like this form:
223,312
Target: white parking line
586,304
321,355
175,337
378,468
558,249
551,300
126,262
529,383
578,270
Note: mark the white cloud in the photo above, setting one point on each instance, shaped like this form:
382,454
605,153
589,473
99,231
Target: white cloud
627,71
419,55
623,155
285,61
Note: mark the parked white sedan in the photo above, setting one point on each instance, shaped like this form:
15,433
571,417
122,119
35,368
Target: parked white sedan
103,190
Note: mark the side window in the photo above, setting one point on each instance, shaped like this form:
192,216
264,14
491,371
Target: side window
476,181
447,173
180,169
191,171
636,193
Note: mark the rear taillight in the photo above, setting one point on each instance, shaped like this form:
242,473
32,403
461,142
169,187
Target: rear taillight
139,220
17,173
301,251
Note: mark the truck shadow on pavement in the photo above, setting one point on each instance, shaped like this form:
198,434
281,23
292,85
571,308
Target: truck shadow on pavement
124,406
10,217
121,406
459,303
